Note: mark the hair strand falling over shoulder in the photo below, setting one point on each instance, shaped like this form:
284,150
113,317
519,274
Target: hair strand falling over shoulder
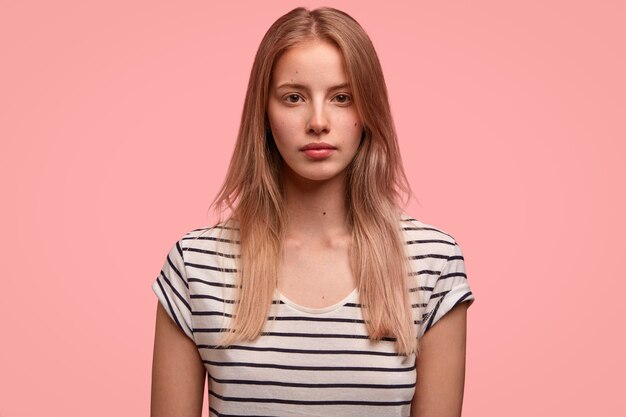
253,192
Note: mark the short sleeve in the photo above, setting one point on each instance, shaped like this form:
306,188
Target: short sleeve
450,289
172,289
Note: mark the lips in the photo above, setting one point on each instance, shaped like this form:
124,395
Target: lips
318,151
317,145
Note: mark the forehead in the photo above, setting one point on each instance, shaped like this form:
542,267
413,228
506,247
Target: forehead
314,62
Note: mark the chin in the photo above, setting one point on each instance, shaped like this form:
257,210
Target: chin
318,176
316,173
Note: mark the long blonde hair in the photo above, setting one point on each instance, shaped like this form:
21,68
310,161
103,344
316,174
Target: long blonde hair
253,187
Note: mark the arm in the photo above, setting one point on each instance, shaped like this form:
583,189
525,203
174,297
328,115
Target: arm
441,367
178,373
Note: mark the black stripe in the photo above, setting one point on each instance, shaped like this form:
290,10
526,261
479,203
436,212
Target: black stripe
310,368
453,274
179,249
215,239
303,335
422,241
211,267
212,313
439,294
286,318
211,297
169,284
463,298
173,267
210,283
411,220
352,305
207,330
427,228
211,252
432,316
425,272
460,300
214,411
325,335
220,226
169,305
308,385
308,402
321,319
429,255
222,300
415,289
300,351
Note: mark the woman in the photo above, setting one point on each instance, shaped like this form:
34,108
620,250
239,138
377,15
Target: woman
317,295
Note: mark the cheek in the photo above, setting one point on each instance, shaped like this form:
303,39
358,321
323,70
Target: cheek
276,121
352,119
275,114
278,128
353,126
285,124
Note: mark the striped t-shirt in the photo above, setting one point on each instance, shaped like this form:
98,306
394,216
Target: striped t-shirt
307,362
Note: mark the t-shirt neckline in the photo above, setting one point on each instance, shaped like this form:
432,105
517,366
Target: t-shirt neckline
312,310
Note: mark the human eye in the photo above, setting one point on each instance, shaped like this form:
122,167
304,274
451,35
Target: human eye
343,98
292,98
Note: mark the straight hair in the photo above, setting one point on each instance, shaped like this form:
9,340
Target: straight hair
375,182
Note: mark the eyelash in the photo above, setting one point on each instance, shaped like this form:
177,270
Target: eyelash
288,96
348,98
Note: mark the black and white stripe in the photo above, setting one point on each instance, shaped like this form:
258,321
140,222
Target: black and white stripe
313,362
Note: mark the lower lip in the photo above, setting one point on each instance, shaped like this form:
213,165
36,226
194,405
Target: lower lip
318,153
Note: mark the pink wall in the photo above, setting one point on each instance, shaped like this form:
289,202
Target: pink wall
117,121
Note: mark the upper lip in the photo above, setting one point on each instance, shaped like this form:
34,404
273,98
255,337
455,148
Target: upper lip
317,145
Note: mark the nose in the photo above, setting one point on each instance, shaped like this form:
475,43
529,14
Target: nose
318,122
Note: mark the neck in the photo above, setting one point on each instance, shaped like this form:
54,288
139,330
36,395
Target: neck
316,209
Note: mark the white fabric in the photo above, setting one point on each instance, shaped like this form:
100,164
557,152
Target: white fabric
308,362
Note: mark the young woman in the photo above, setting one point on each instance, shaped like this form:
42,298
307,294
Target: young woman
317,295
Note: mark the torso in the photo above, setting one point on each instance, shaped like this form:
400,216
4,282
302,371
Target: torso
305,358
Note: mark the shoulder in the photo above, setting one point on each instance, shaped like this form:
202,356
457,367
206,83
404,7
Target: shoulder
428,246
208,246
208,255
418,232
209,237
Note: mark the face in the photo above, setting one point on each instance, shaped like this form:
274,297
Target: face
310,104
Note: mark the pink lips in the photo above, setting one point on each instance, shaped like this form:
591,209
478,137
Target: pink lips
318,150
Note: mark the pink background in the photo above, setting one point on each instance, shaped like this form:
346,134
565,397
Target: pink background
118,118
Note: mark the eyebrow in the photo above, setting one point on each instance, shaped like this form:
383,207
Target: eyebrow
304,87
